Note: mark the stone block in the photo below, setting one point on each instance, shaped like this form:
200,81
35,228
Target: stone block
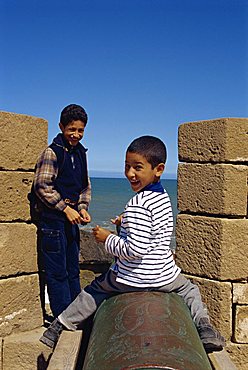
241,324
217,140
14,187
240,293
20,308
92,251
218,298
18,249
218,189
212,247
20,149
1,353
25,352
238,354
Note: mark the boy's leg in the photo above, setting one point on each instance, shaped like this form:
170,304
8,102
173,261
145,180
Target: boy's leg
190,293
72,259
53,246
85,305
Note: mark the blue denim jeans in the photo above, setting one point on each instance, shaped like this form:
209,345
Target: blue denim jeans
60,253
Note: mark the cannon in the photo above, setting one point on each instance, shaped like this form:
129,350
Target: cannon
144,330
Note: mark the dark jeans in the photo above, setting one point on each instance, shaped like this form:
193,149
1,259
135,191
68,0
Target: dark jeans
60,253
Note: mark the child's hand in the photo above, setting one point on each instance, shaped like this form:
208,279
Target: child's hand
85,216
100,234
72,215
117,220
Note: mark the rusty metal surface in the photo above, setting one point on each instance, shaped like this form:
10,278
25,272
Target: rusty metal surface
147,330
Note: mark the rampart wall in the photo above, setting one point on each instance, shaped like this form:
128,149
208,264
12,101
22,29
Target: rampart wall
212,237
212,225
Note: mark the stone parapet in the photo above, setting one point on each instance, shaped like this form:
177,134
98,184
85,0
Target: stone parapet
20,308
212,247
217,140
28,138
14,187
218,298
216,189
18,249
25,352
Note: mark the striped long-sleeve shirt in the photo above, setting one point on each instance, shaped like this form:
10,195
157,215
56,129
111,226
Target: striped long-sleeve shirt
143,256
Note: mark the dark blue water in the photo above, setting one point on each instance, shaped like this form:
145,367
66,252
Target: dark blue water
110,195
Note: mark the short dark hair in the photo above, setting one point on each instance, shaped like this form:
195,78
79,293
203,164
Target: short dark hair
150,147
73,112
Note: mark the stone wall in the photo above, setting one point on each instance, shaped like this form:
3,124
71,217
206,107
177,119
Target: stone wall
22,139
212,226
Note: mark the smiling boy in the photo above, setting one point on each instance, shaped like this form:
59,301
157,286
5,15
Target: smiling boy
143,258
62,185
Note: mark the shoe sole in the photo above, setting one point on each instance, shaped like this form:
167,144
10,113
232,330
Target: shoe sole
47,341
213,345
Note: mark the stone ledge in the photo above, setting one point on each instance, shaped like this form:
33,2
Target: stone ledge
28,139
218,298
217,140
241,324
216,189
14,188
212,247
17,240
24,351
20,308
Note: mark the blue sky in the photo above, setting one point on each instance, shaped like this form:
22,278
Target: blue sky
137,66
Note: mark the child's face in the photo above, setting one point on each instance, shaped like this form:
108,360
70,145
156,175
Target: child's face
73,132
139,172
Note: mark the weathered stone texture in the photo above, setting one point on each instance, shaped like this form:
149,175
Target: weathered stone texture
92,251
1,353
212,189
241,324
25,352
218,298
22,139
18,250
218,140
14,187
20,308
212,247
238,354
240,293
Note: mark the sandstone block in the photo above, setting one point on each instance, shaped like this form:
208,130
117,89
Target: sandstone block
217,140
241,324
25,352
212,247
27,140
240,293
20,308
18,250
218,298
92,251
14,187
1,353
218,189
238,354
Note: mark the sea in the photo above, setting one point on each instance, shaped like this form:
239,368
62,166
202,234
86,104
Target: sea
110,195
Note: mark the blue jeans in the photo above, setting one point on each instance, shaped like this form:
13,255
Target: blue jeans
60,253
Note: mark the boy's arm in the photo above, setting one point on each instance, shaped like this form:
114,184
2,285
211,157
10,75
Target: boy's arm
45,175
85,197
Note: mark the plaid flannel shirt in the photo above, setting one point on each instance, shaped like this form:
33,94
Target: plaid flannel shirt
45,175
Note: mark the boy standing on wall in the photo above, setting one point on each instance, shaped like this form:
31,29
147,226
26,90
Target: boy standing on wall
62,185
143,258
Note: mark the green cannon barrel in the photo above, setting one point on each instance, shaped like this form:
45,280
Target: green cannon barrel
144,330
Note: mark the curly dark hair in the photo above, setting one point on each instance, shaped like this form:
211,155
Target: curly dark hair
73,112
151,148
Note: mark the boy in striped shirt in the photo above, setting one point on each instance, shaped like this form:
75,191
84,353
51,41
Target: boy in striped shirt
143,258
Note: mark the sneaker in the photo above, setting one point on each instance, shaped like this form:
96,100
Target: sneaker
51,335
211,339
